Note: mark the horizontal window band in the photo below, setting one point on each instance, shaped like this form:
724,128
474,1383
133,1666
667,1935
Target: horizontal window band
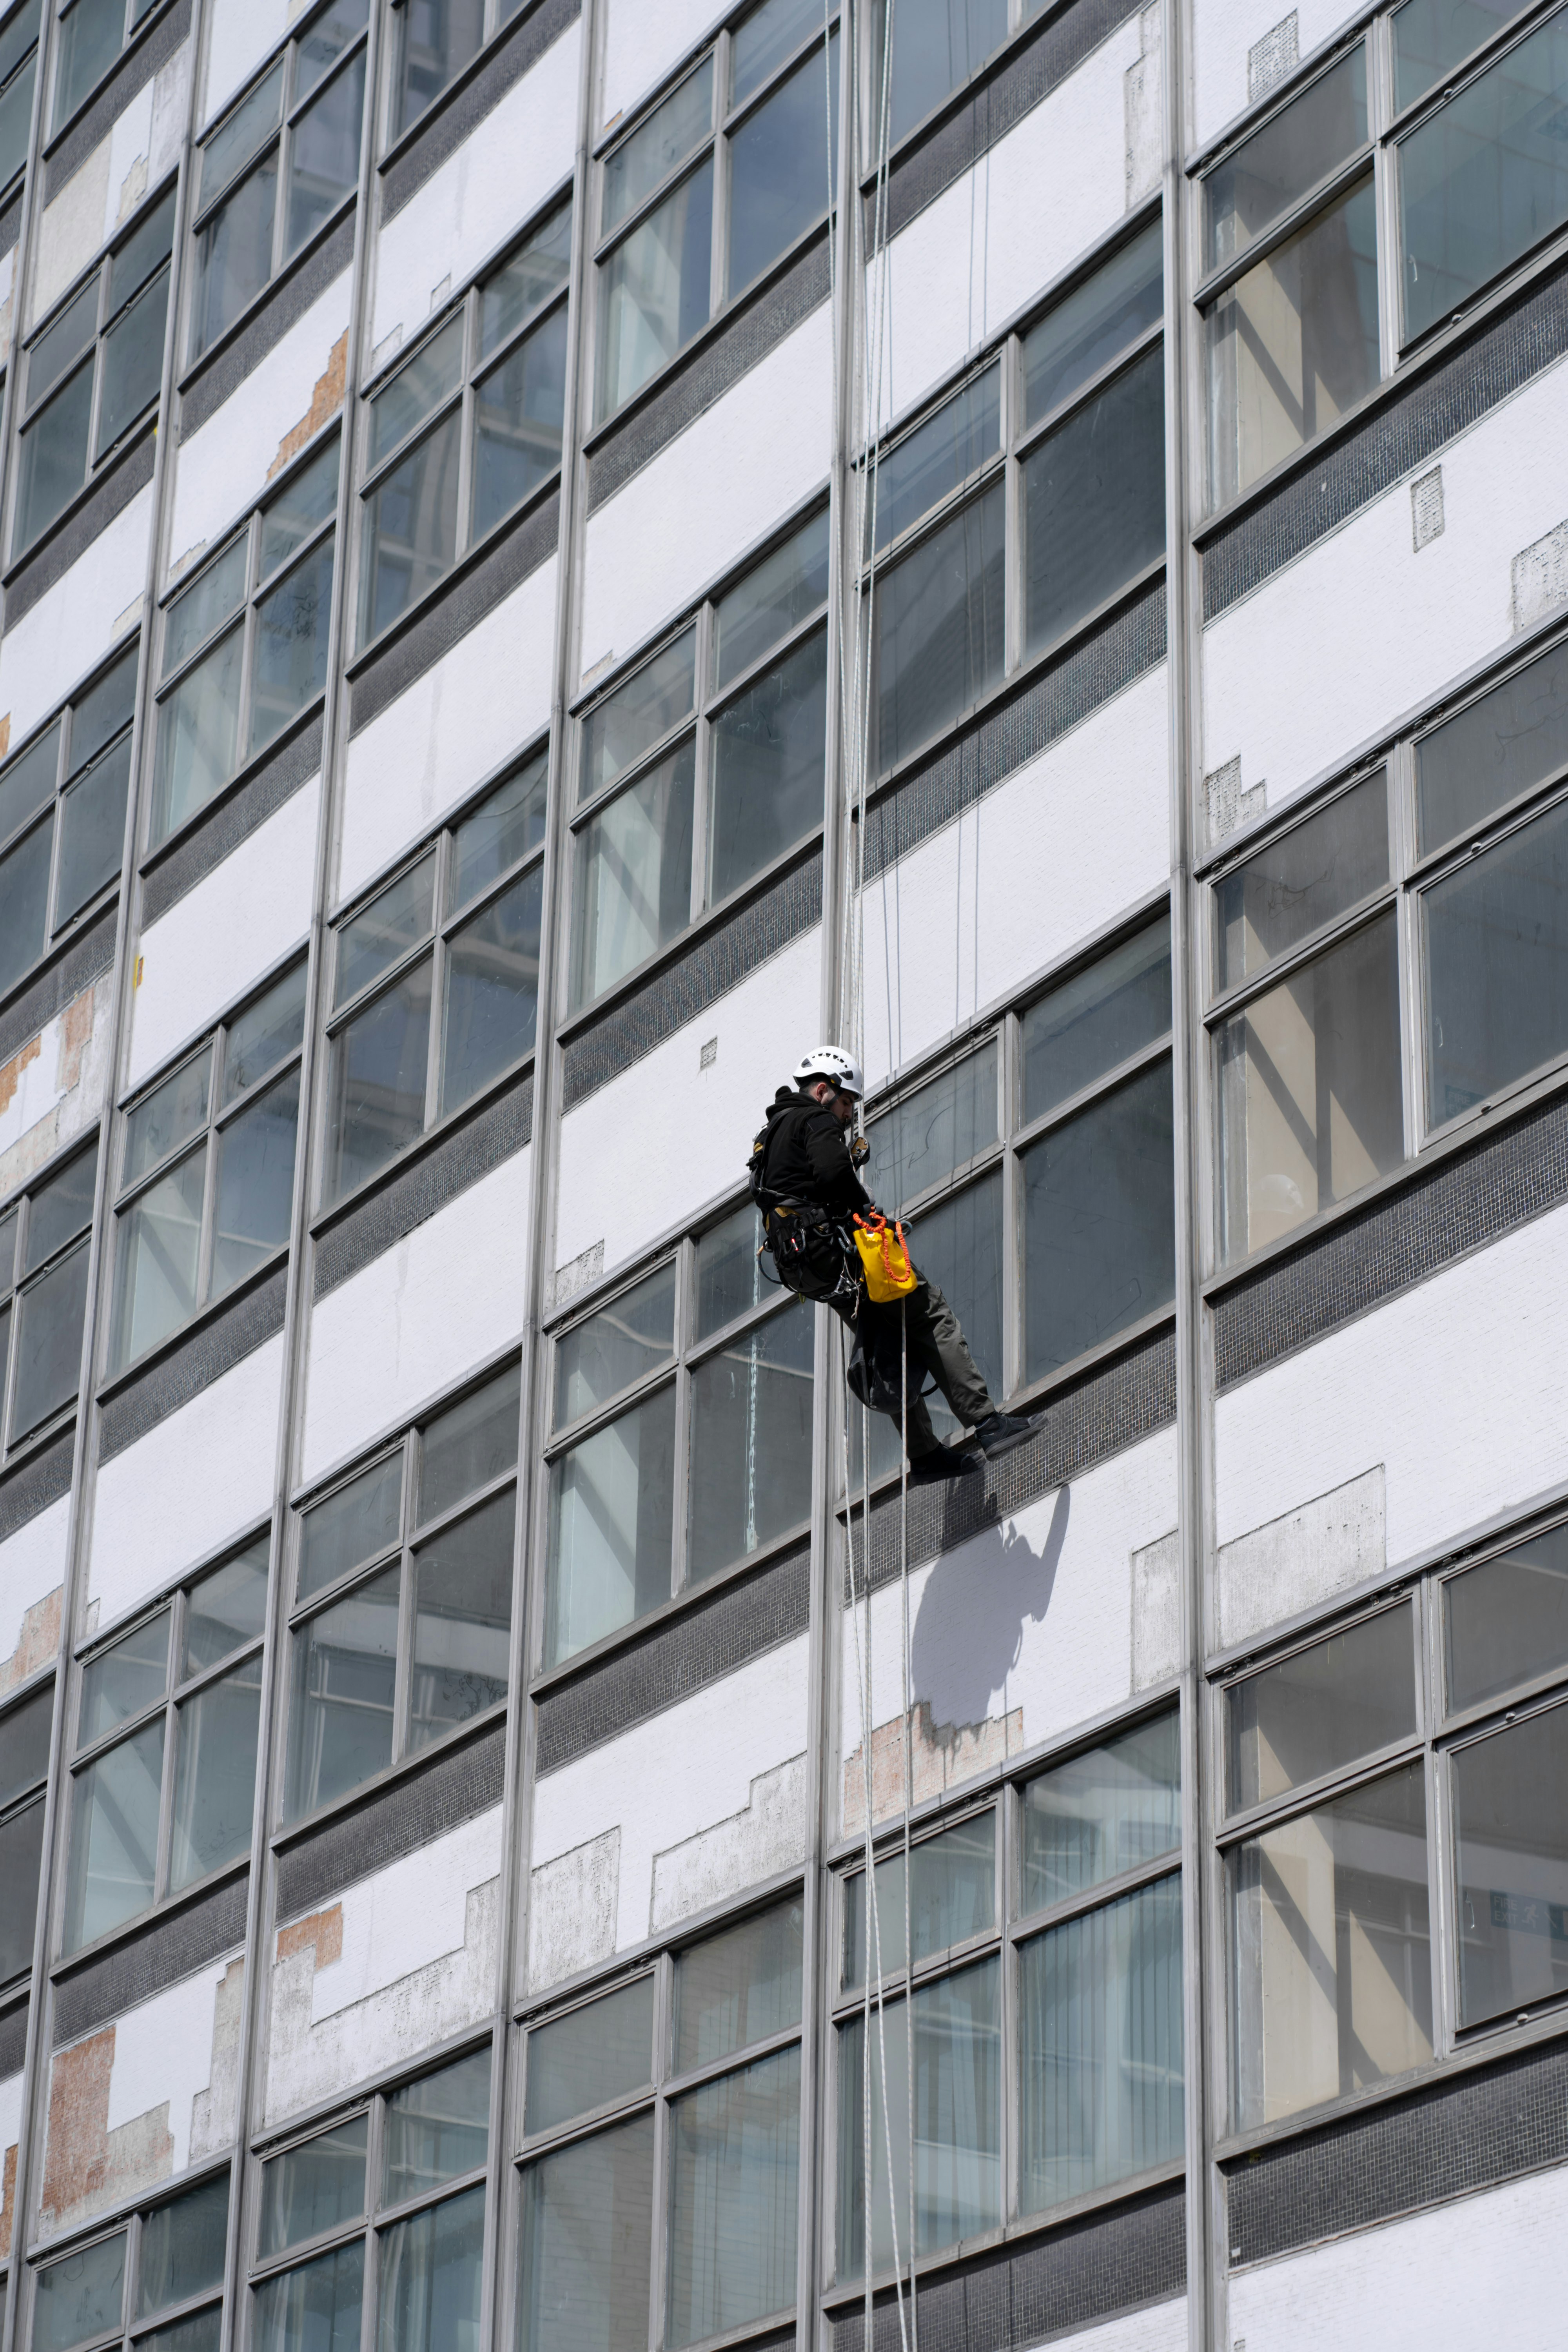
1484,2126
690,1652
229,819
150,48
35,1483
454,117
171,1946
450,1786
415,1192
288,296
83,524
71,969
236,1329
1515,1169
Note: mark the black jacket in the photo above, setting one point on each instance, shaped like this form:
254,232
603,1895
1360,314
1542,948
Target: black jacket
806,1156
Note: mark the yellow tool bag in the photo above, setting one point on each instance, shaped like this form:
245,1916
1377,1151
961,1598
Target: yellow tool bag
884,1260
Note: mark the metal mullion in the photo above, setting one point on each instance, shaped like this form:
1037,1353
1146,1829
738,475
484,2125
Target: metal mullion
1008,2095
96,404
438,959
702,762
613,2111
1226,273
425,2200
247,643
403,1696
482,900
301,1613
1286,965
486,362
719,242
93,1751
306,547
165,1792
1380,101
1400,769
1010,1073
1030,436
206,1238
230,1112
714,1343
170,2313
663,2058
378,987
370,2279
681,1502
196,1685
1520,1698
307,2250
1012,405
1239,1828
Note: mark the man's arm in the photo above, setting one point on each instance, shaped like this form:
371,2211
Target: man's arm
838,1188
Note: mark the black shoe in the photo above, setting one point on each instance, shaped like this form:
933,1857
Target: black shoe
1003,1431
943,1462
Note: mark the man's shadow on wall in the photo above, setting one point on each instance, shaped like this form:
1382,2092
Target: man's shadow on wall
969,1629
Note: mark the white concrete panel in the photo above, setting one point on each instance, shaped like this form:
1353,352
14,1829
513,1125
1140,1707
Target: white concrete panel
239,34
1437,2283
1455,1388
1162,2327
710,493
642,43
1224,31
199,1477
450,1293
225,466
1042,861
32,1572
142,143
694,1126
46,653
163,2052
502,172
52,1087
407,1916
683,1772
1363,625
1014,1636
220,936
1052,187
481,701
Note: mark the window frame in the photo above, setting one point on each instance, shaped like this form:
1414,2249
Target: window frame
81,1755
13,1447
21,1801
31,57
66,773
497,15
1021,14
129,2223
138,17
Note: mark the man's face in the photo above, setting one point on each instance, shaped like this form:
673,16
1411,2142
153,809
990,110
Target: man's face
841,1105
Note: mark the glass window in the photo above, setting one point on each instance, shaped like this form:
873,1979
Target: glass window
1511,1833
1322,1708
1306,878
437,2128
937,43
939,642
18,70
741,1986
1262,179
931,1134
1495,749
361,1696
1492,934
744,694
164,1789
937,458
952,1896
1116,1807
766,160
1432,36
79,2297
468,427
590,2057
279,166
436,990
62,818
245,645
43,1297
1091,327
586,2244
734,1395
1094,501
24,1729
312,2187
180,2251
1506,1621
435,40
207,1187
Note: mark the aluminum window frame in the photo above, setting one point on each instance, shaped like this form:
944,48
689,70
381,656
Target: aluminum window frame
132,2330
29,57
23,1799
67,771
12,1443
137,15
496,15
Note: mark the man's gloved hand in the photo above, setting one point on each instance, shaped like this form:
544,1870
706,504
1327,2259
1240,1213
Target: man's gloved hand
859,1152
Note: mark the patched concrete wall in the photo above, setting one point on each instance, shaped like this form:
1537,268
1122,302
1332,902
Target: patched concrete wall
10,2140
105,189
32,1579
52,648
1332,1543
51,1090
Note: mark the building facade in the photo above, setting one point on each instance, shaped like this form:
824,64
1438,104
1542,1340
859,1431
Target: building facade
470,716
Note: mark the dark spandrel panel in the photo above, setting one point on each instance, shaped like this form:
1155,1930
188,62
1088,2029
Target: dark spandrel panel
1506,1620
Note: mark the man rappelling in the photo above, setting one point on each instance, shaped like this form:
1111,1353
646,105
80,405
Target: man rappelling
825,1232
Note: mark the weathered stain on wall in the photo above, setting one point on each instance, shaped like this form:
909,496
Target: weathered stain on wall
945,1755
325,401
37,1642
51,1089
765,1837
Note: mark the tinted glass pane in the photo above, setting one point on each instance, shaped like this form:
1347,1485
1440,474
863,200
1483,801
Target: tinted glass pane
468,1444
590,2057
1099,2057
311,499
1513,738
24,1743
168,1116
1484,178
760,45
324,167
197,736
492,991
1432,36
779,174
1506,1620
751,1442
1324,1707
316,2305
416,391
20,32
1297,148
25,902
182,2246
266,1031
290,656
633,1335
1311,874
1310,1089
502,829
53,452
16,117
1094,501
1114,1809
958,2120
28,781
768,602
379,1064
612,1504
90,39
461,1622
634,876
254,1186
671,133
148,244
124,1679
618,731
1099,1223
352,1525
243,134
938,628
57,346
21,1860
201,2333
328,37
936,1129
1099,1020
1084,333
104,709
654,289
92,831
198,609
80,2296
410,527
937,43
48,1365
952,1895
431,2278
733,2197
60,1208
345,1673
1294,342
437,38
1331,1961
518,408
945,451
728,1277
8,1250
371,942
1497,995
159,1246
132,365
114,1836
215,1775
738,1987
234,256
227,1608
1512,1826
539,269
767,751
437,2128
586,2244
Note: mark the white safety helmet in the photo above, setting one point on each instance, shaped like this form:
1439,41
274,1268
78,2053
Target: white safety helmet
840,1069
